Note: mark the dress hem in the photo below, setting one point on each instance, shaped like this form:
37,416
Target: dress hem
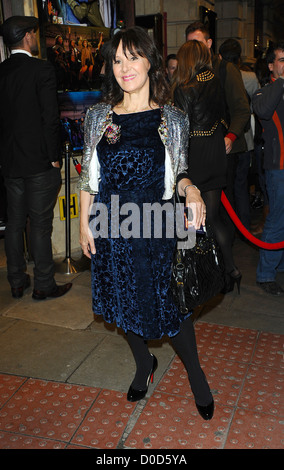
170,335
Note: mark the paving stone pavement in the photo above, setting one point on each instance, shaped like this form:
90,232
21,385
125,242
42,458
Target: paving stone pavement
64,374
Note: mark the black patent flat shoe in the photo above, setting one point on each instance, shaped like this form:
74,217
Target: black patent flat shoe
206,412
136,395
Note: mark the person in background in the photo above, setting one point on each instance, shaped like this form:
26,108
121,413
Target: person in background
74,60
136,149
30,157
237,112
171,65
261,198
268,104
87,61
230,50
197,91
59,58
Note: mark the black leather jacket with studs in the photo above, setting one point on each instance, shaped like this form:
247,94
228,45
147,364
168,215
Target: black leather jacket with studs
202,100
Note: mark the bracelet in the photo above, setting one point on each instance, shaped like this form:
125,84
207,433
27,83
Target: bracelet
187,186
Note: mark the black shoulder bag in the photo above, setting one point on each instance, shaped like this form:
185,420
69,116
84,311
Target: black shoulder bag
198,273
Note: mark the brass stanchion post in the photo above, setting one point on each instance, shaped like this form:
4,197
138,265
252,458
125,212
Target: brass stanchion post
68,265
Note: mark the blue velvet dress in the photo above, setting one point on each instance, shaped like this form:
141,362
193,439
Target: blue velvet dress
131,276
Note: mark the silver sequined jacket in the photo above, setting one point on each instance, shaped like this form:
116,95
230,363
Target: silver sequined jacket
174,133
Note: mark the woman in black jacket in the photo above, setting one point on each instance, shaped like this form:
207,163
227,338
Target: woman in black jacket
197,91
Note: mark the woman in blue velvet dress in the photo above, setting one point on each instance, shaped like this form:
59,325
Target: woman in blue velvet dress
135,154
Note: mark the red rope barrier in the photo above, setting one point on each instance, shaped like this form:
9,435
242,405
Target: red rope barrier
244,231
235,219
77,165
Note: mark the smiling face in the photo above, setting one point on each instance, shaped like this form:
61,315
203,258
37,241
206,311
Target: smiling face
131,71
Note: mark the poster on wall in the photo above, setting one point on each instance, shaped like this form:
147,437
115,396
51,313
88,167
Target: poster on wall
74,33
73,107
99,13
76,55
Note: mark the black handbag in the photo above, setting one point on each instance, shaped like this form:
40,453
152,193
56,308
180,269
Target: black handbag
198,273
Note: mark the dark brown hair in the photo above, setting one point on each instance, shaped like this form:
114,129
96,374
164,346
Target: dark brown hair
270,54
192,57
136,40
231,51
197,26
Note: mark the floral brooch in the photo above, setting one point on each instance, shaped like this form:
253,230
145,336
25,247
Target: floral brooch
112,133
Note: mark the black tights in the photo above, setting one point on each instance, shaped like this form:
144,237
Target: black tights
213,203
185,345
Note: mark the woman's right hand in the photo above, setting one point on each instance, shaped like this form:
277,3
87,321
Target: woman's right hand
86,238
87,241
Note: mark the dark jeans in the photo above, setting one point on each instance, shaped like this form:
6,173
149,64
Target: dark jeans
258,151
271,261
34,196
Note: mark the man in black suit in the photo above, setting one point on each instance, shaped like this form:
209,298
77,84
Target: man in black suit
29,157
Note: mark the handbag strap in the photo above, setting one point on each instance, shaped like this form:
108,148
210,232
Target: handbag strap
180,267
179,278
